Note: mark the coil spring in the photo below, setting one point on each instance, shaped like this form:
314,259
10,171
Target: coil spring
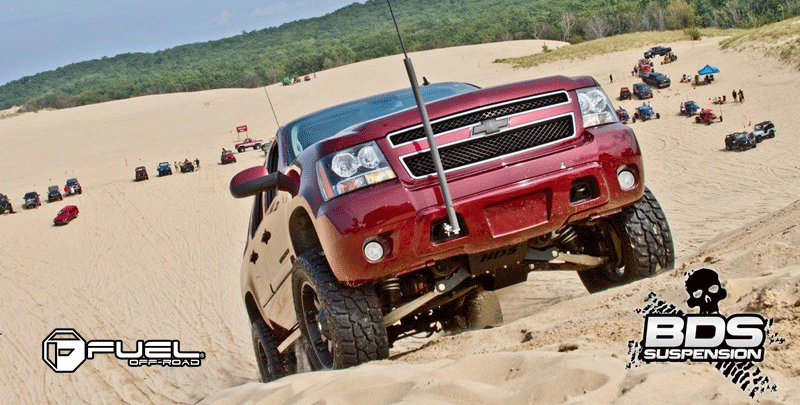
567,239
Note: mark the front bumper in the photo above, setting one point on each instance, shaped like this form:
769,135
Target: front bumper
528,199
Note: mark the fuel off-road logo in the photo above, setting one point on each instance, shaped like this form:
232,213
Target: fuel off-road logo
733,344
64,350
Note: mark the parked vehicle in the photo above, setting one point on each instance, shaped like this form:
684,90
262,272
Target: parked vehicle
645,112
141,173
248,143
763,130
707,115
187,166
657,50
622,114
624,93
658,80
5,205
350,246
227,157
164,169
689,108
31,200
642,91
644,67
54,194
72,187
739,141
66,215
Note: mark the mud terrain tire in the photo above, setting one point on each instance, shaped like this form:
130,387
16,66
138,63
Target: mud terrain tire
271,364
482,309
343,326
646,246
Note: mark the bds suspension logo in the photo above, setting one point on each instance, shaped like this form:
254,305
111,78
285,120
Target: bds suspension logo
64,350
732,344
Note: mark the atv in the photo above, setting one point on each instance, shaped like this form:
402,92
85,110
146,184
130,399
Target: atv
623,115
187,166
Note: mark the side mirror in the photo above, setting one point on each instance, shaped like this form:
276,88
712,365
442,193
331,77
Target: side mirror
254,180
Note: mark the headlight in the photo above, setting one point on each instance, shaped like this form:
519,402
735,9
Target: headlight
351,169
596,108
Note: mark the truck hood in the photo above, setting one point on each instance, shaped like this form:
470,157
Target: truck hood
378,128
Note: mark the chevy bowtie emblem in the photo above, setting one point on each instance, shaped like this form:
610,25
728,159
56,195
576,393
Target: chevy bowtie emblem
490,126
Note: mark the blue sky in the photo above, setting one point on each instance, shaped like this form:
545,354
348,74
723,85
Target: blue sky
41,35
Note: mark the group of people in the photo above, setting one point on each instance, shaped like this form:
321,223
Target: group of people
737,96
740,95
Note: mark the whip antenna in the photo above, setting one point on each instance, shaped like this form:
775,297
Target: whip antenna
452,228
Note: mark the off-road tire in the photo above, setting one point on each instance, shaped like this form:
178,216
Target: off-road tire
658,115
482,310
351,316
240,149
646,246
697,119
759,139
271,364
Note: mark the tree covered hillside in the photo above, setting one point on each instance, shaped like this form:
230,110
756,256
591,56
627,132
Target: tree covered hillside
364,31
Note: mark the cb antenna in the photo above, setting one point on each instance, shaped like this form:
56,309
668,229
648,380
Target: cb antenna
452,228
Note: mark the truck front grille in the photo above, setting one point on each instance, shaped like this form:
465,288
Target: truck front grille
475,117
485,148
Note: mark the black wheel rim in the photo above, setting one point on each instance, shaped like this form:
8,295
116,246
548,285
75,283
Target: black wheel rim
320,346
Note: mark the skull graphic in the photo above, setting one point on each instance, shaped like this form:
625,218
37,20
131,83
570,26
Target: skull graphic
705,291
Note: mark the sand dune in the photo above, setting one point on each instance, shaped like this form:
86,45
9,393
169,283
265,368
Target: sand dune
160,259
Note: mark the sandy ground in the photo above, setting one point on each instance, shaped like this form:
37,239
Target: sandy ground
160,259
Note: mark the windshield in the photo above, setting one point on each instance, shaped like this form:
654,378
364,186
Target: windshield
324,124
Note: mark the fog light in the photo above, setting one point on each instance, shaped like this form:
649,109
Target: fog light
626,179
373,251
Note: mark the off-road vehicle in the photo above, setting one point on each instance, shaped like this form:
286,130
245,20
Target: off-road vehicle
763,130
655,79
623,115
624,93
5,205
54,194
187,166
351,245
66,215
227,157
657,50
645,112
706,115
73,187
141,174
31,200
740,141
642,91
689,108
248,143
164,169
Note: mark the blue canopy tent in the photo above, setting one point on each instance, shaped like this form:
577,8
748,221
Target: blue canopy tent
707,70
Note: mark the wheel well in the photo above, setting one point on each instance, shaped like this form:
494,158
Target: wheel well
252,308
304,236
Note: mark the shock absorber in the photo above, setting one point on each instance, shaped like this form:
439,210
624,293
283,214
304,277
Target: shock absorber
391,286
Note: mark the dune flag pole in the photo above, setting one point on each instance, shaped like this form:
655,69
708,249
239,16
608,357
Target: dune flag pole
452,228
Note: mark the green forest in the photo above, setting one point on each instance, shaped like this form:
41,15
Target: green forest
365,31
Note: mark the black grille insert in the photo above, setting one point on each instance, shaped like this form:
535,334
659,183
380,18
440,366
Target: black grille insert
447,124
485,148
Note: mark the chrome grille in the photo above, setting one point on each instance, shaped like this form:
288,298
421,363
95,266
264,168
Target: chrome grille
490,147
475,117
